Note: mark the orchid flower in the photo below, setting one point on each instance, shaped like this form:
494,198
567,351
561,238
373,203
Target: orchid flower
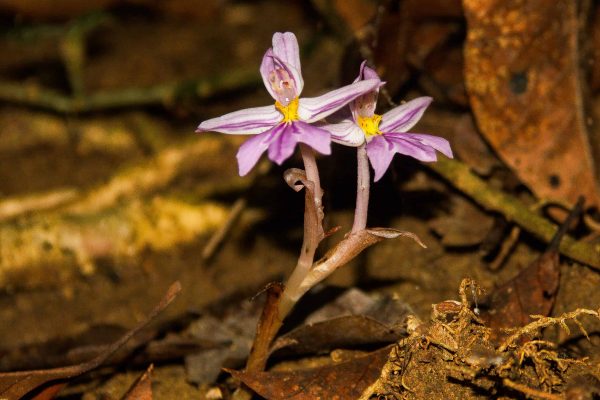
386,135
279,127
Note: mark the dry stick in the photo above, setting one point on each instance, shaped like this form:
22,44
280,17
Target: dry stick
149,175
530,392
217,238
16,206
136,180
543,322
505,249
35,96
461,177
236,211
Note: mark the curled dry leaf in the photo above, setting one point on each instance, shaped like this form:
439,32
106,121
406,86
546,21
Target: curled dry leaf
294,175
390,233
313,210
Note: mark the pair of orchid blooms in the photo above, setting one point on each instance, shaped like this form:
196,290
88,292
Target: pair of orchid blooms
293,120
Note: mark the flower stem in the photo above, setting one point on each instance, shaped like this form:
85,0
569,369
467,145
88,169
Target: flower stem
312,172
281,301
313,233
362,190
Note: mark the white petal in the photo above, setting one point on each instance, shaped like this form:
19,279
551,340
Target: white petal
346,133
405,116
248,121
312,109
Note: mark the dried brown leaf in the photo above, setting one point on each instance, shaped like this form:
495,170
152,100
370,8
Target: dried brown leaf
141,389
531,292
524,81
15,385
343,381
348,330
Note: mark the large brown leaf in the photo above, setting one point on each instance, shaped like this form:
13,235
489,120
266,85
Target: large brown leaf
522,65
343,381
15,385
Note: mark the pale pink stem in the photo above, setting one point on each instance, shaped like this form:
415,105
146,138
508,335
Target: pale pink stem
312,172
313,234
362,190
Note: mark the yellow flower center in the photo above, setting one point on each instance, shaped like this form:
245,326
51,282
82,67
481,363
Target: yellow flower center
370,125
290,112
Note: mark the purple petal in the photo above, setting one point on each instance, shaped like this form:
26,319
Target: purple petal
315,108
405,116
380,154
250,151
282,146
381,150
367,72
408,146
285,47
317,138
282,80
438,143
249,121
364,106
346,133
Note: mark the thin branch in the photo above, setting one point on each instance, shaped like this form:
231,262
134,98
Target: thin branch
461,177
16,206
220,234
35,96
530,392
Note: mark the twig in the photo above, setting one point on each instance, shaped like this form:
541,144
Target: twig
543,322
16,206
529,392
149,175
35,96
40,244
219,235
505,248
134,181
461,177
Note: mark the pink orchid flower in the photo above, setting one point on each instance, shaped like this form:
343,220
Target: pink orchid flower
279,127
387,134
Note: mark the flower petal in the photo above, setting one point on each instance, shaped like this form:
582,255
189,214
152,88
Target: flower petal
315,108
271,70
380,154
438,143
285,47
316,137
249,121
403,144
364,106
250,151
346,133
405,116
366,72
282,147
